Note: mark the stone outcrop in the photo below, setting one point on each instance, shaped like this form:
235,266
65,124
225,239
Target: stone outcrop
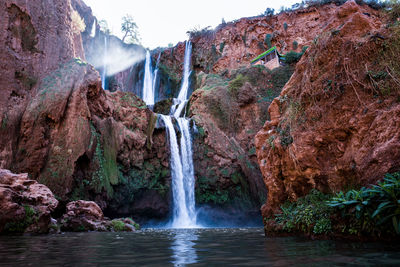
87,216
81,140
335,124
26,205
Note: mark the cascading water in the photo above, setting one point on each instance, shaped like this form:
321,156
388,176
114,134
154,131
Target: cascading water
93,31
184,215
180,102
104,73
182,170
148,83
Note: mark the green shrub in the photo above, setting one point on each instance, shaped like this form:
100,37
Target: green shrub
20,226
309,214
221,47
236,84
378,205
285,26
118,226
295,45
267,40
293,57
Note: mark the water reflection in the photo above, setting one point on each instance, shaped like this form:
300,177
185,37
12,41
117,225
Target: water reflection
183,248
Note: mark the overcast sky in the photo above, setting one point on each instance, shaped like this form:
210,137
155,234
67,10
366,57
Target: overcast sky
162,22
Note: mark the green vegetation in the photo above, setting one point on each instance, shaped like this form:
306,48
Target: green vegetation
295,45
20,226
130,30
310,214
197,31
236,84
107,172
118,225
285,26
377,207
373,211
268,40
151,177
293,57
221,47
384,74
4,121
269,12
208,190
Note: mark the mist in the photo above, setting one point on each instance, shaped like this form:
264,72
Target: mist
113,54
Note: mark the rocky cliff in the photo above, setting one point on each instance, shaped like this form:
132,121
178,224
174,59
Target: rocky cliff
32,45
61,127
234,44
335,124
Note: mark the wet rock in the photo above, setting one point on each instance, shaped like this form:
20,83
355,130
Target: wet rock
84,216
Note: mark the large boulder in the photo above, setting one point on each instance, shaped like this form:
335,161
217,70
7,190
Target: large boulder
26,205
87,216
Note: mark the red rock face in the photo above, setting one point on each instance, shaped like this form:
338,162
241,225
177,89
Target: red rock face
234,44
332,127
24,203
35,39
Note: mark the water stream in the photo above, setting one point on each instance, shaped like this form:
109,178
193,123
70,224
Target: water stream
148,88
93,30
181,101
182,170
104,72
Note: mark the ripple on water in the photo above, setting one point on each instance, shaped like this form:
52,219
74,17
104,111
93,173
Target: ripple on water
194,247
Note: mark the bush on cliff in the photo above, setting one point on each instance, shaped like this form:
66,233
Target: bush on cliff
373,212
377,207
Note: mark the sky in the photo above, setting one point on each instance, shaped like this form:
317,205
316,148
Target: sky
163,22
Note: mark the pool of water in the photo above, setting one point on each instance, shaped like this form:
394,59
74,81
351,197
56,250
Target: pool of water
192,247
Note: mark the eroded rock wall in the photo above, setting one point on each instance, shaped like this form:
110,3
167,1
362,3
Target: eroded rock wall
335,124
36,36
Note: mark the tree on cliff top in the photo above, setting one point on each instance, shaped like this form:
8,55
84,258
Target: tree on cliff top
130,30
104,27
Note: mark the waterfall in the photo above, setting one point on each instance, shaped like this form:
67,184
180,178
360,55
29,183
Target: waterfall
155,73
93,31
148,83
180,102
182,170
104,73
184,215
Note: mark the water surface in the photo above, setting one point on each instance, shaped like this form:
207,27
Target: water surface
193,247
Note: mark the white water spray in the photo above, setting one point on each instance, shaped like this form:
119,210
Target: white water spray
93,31
182,170
148,83
104,73
180,102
